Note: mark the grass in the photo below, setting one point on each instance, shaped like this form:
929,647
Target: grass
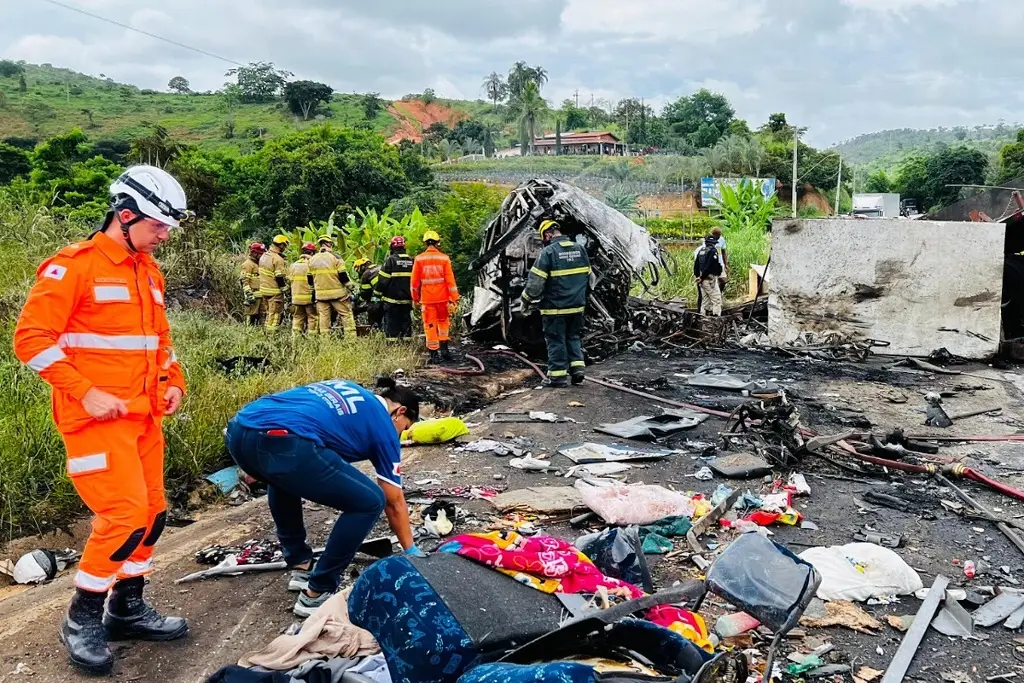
122,112
35,494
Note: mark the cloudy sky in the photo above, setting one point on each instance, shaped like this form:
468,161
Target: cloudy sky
839,67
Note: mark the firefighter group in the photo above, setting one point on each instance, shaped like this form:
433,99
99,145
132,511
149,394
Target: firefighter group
325,300
94,326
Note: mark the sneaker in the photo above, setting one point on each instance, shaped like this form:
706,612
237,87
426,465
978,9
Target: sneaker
305,605
299,580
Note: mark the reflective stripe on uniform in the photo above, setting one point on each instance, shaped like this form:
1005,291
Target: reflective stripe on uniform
94,584
128,342
84,464
267,271
577,364
395,301
561,311
322,293
537,271
106,293
130,569
557,373
585,270
433,281
45,359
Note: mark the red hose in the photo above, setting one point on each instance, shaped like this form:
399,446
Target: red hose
470,373
513,354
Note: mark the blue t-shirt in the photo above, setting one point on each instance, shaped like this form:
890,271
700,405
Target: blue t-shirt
335,414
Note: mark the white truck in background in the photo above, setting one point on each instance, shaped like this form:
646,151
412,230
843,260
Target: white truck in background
876,205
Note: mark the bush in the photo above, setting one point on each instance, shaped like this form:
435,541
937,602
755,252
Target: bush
689,227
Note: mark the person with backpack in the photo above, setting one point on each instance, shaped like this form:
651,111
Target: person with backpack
707,269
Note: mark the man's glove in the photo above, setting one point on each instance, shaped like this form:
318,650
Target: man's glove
453,307
413,551
249,299
528,307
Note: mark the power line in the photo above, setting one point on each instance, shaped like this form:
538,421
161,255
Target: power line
145,33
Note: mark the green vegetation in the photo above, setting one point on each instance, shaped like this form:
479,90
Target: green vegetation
887,149
934,180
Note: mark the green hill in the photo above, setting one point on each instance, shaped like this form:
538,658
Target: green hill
57,100
885,149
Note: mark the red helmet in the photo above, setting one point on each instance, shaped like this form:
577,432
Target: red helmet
308,248
257,248
398,242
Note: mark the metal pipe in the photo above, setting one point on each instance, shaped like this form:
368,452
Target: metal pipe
1002,526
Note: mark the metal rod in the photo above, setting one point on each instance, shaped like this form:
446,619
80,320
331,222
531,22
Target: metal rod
1002,526
897,668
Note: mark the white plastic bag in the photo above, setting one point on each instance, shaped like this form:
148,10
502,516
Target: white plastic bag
634,504
859,571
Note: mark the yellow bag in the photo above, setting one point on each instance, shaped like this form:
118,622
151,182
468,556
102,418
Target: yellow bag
435,431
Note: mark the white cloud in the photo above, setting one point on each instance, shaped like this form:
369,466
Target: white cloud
684,21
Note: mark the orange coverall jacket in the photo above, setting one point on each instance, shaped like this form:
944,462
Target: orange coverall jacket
433,281
96,318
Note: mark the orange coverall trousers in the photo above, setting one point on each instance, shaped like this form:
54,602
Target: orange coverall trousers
436,324
127,496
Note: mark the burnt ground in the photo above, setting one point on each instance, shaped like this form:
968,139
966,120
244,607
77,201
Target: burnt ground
232,615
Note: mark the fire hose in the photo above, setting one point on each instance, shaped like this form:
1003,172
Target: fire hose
464,372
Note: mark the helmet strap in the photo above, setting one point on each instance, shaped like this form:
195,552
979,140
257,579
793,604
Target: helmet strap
125,230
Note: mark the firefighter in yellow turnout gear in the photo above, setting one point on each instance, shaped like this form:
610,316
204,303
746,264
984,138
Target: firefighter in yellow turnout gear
330,282
274,281
249,279
304,315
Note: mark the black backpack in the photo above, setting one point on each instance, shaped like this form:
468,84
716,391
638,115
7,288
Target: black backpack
707,261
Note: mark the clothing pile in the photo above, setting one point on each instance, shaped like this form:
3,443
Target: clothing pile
552,565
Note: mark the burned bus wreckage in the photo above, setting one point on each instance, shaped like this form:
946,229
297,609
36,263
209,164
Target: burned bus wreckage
622,255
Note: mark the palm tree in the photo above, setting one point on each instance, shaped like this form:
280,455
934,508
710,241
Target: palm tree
526,109
518,76
539,76
495,87
754,155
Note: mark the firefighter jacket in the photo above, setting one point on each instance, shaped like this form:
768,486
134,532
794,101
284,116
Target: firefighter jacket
273,274
433,281
302,293
329,277
96,318
250,279
394,278
368,283
558,280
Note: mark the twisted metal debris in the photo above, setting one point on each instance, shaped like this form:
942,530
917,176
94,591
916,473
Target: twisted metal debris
621,253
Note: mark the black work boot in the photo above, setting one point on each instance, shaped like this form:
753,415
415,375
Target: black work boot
434,358
83,635
446,354
128,616
555,383
578,377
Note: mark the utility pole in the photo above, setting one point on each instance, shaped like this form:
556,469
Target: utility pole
839,184
796,144
577,96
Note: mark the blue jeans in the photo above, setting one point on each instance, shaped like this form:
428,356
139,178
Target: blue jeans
295,469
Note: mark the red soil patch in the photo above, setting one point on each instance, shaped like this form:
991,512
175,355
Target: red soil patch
414,117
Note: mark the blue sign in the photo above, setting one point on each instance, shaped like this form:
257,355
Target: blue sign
711,193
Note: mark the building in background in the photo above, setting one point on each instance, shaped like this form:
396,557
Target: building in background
597,143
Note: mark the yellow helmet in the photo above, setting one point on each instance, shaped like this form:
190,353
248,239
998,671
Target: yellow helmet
547,225
325,240
360,262
431,236
281,239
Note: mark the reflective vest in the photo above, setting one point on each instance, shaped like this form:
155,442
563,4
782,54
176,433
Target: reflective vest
327,270
394,278
250,278
272,267
433,281
302,293
559,278
96,317
368,282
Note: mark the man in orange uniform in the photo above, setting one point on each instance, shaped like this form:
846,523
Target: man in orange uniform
433,289
95,328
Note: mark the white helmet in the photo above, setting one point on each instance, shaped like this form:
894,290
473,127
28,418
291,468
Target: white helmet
154,192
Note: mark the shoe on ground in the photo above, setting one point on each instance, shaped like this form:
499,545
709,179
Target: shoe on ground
434,358
446,353
559,383
130,617
299,580
305,605
577,378
84,636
